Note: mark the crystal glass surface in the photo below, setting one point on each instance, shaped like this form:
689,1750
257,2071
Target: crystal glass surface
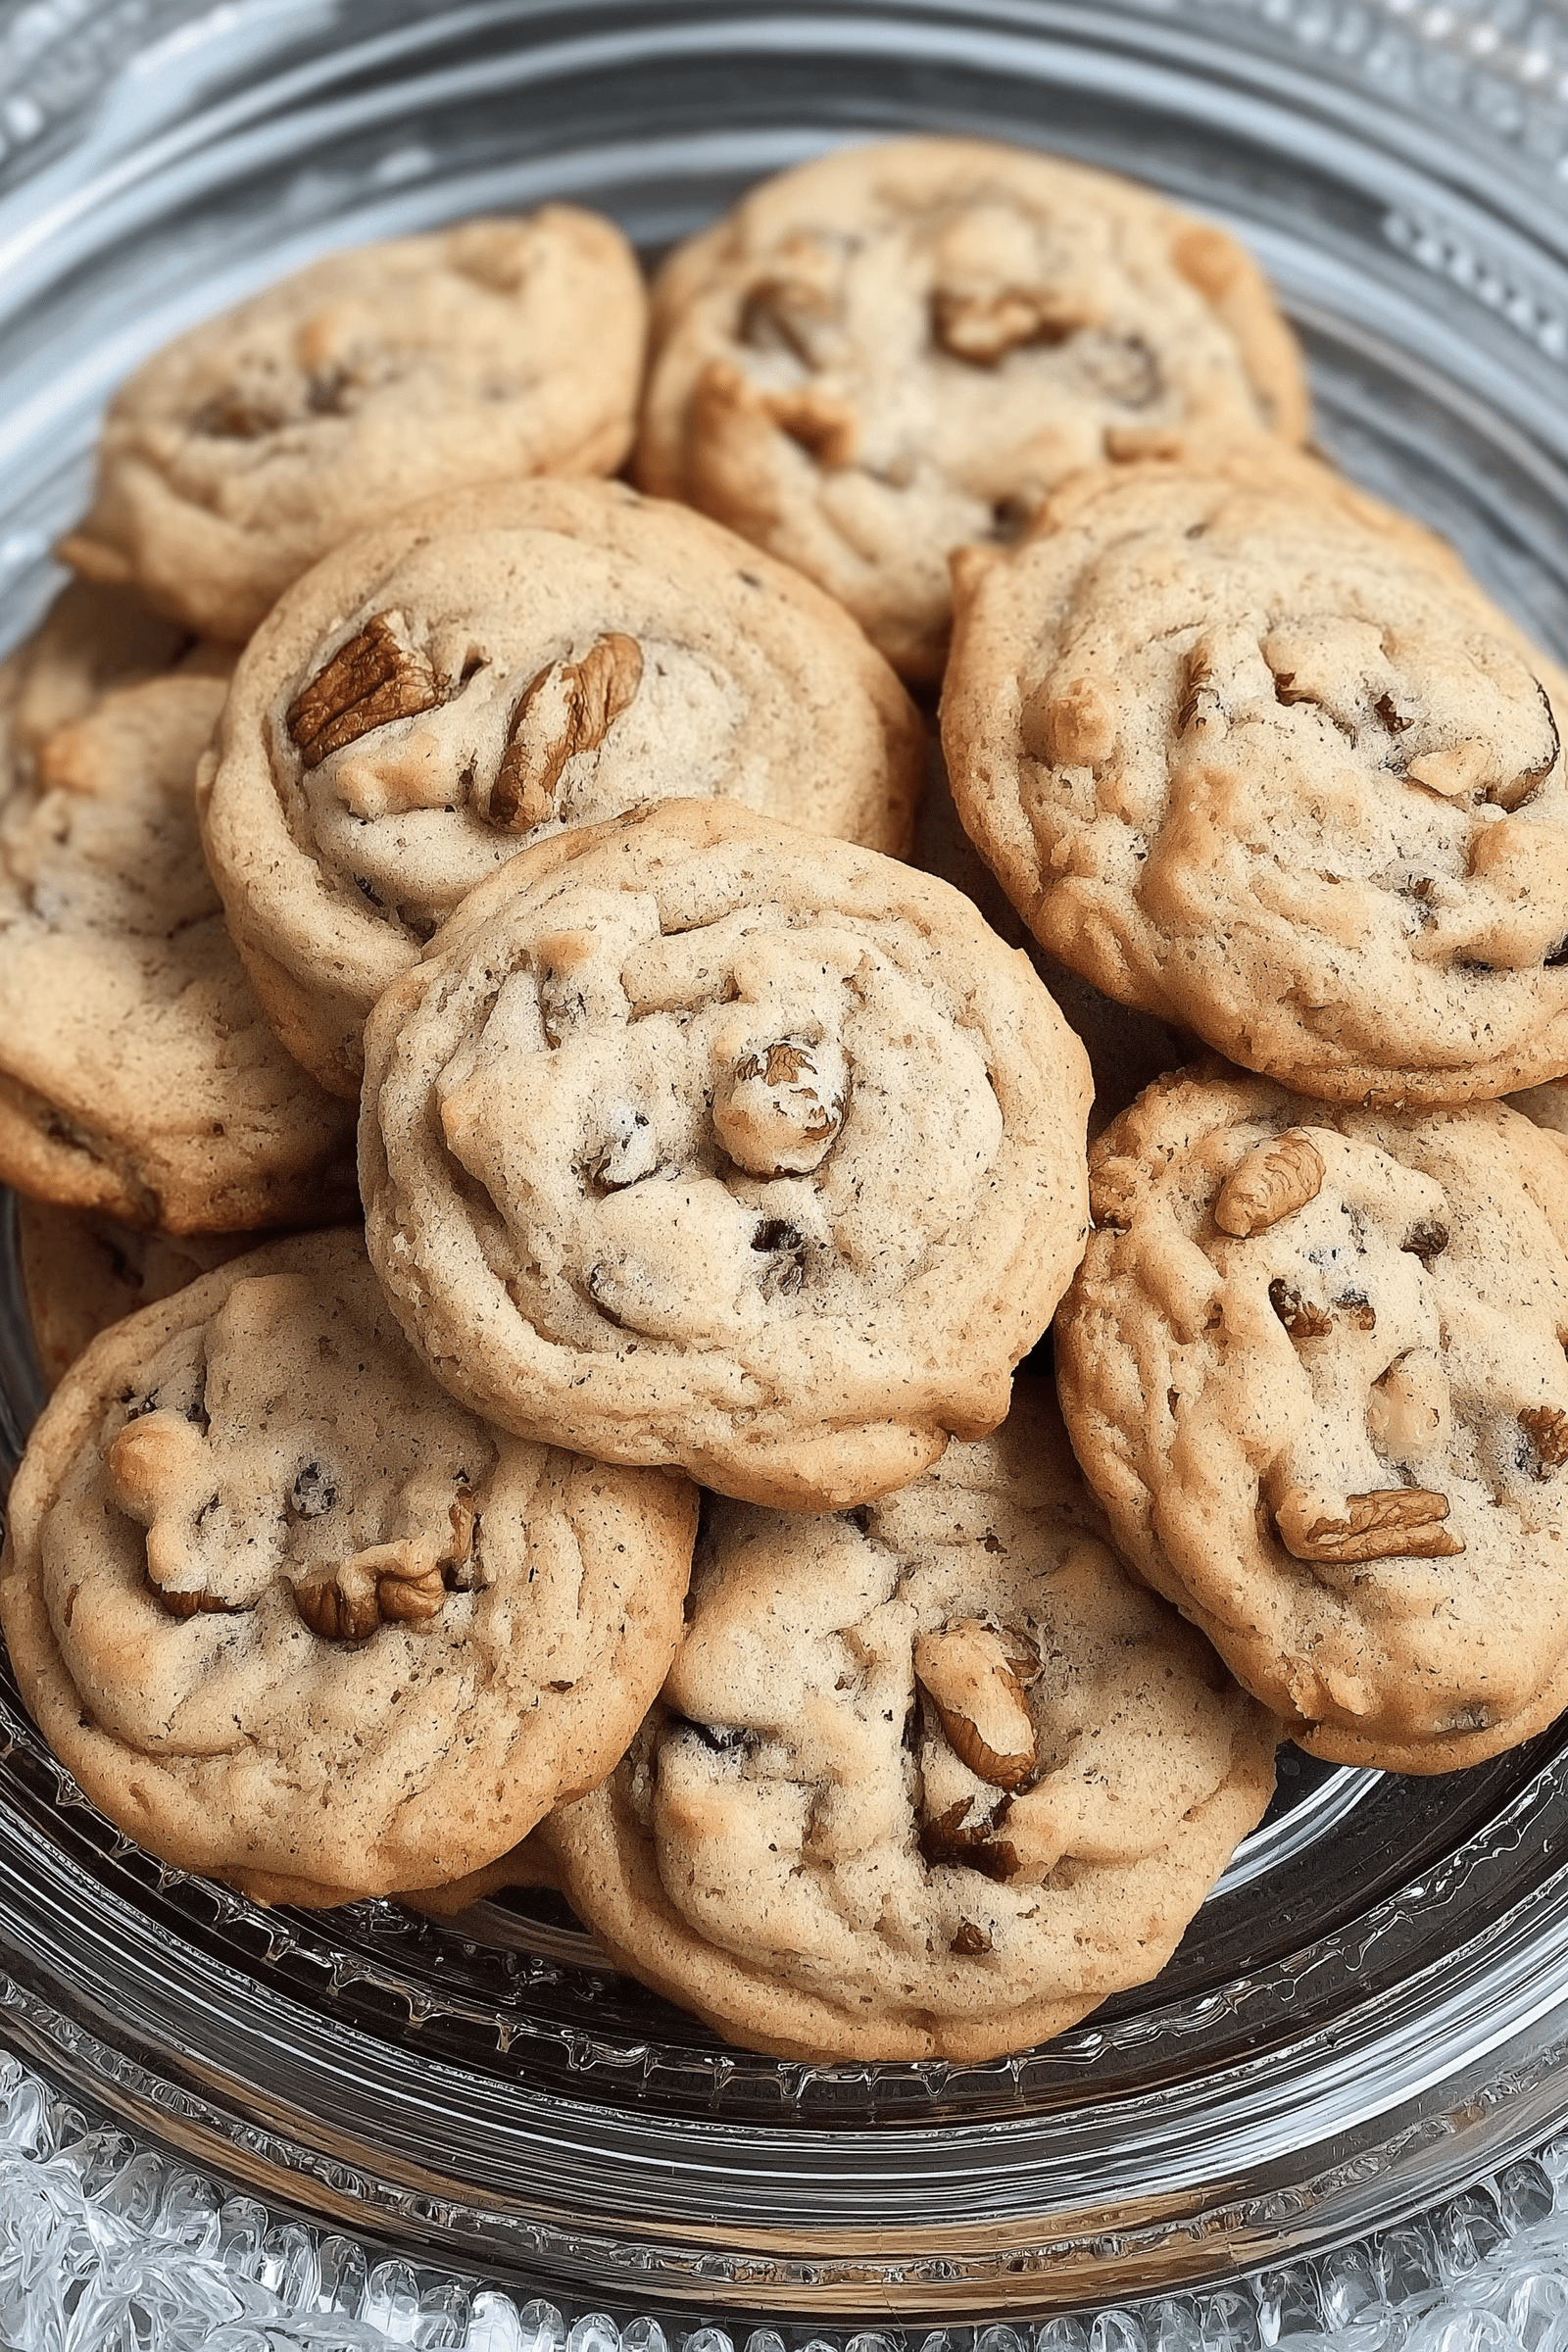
1372,2010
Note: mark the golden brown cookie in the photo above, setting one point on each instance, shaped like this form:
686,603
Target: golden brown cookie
700,1138
891,351
1255,753
492,667
930,1780
241,453
295,1619
1313,1365
137,1074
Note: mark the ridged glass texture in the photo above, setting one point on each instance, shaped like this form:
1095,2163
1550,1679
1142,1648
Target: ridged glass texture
1372,2013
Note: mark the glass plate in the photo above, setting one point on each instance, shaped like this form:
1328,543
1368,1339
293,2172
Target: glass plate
1373,2008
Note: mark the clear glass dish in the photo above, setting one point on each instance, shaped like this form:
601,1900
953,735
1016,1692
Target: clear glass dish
1373,2008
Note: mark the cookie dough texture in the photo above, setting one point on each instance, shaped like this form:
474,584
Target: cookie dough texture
1255,753
928,1780
699,1138
496,665
1313,1365
137,1074
295,1619
82,1271
247,448
891,351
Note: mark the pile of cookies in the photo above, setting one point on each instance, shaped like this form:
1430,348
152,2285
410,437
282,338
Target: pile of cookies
642,1499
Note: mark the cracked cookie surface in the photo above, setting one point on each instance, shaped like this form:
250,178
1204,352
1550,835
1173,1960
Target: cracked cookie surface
931,1778
1313,1365
888,353
488,670
699,1138
137,1073
1253,753
292,1617
241,453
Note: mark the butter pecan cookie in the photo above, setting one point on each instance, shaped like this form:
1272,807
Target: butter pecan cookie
247,448
931,1780
699,1138
888,353
1255,753
1313,1365
138,1075
295,1619
483,672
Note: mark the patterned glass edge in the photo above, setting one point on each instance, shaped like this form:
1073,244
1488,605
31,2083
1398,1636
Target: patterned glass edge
110,2244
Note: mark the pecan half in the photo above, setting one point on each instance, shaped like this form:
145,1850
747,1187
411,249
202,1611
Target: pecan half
1546,1428
570,708
376,677
1393,1523
349,1602
1272,1182
969,1673
191,1605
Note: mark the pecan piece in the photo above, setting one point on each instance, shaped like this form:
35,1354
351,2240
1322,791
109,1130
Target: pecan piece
1426,1240
824,428
190,1605
983,327
1301,1318
970,1675
1272,1182
947,1842
778,1109
398,1583
1393,1523
971,1940
1546,1428
570,708
376,677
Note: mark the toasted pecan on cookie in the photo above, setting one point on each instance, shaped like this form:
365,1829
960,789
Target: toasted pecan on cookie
489,668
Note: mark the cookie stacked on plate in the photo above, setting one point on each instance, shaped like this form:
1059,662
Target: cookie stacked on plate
704,1138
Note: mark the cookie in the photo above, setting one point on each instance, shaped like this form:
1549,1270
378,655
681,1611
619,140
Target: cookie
891,351
1252,753
928,1780
699,1138
485,671
295,1619
137,1074
1313,1368
82,1271
245,450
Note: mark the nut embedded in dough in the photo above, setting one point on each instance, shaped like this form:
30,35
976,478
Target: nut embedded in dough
1271,1182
